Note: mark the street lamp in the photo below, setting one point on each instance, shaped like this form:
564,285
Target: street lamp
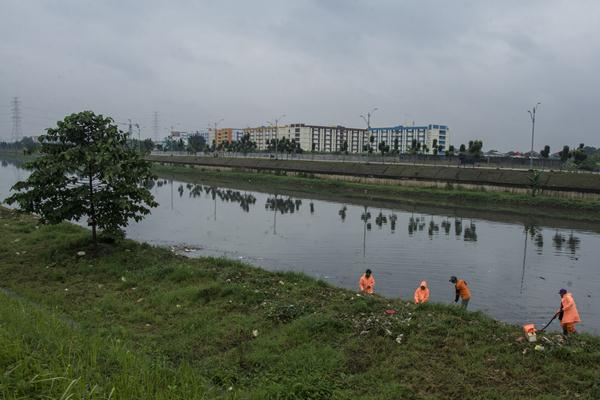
139,138
532,115
276,131
215,131
367,119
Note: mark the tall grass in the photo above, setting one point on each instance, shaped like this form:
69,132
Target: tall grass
44,357
153,325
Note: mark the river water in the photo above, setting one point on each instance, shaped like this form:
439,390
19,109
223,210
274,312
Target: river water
514,268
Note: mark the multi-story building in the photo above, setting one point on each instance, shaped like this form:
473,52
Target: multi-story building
425,135
323,138
224,135
311,137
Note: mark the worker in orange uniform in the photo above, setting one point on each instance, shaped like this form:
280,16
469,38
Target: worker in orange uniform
462,291
567,314
367,282
422,293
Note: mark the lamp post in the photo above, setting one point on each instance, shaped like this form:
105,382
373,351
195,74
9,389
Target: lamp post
139,138
532,115
276,131
215,131
367,120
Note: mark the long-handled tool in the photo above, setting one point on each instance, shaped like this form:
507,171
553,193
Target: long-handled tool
548,324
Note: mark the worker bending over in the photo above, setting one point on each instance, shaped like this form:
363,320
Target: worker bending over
422,293
462,291
367,282
567,314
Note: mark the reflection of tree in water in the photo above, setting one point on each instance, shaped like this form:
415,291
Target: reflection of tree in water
226,195
573,243
149,184
446,225
393,219
539,242
365,217
536,236
458,227
284,206
161,182
312,207
4,163
433,227
470,234
412,225
342,213
558,240
380,219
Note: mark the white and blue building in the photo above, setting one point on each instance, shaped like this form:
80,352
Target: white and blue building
424,134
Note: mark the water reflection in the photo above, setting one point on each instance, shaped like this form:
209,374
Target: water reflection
514,266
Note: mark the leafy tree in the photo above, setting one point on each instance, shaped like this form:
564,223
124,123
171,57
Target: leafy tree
579,155
413,147
564,154
462,148
246,145
396,145
383,148
344,147
86,169
29,145
196,143
545,153
147,146
434,146
475,147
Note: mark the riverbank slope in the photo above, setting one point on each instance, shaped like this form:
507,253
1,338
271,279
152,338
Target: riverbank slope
553,183
448,198
142,322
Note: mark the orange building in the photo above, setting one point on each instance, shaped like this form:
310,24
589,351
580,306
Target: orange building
224,134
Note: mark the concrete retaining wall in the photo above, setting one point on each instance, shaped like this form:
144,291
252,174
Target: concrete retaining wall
559,184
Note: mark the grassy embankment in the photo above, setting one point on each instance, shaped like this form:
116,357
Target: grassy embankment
449,197
138,322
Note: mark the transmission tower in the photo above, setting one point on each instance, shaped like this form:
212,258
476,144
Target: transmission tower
155,126
15,109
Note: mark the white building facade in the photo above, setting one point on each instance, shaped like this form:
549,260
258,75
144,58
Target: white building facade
425,135
323,138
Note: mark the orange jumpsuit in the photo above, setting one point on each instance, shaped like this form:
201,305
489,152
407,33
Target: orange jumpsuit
463,289
570,314
367,285
421,296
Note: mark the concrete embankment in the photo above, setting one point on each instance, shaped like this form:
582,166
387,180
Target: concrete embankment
552,183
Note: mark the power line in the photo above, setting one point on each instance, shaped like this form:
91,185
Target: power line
15,109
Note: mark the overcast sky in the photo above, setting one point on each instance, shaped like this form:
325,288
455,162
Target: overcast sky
476,66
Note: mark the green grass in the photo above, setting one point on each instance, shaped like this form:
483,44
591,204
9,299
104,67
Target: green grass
151,324
448,197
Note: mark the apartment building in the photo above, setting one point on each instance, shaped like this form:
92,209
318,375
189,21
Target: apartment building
320,138
224,135
324,138
425,135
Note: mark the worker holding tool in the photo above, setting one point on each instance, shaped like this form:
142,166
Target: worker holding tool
567,314
462,291
367,282
422,293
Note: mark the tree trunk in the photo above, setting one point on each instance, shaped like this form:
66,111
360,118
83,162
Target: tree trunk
92,208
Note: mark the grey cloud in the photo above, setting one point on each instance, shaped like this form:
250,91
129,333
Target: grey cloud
474,65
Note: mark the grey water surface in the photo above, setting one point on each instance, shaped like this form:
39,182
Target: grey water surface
514,268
